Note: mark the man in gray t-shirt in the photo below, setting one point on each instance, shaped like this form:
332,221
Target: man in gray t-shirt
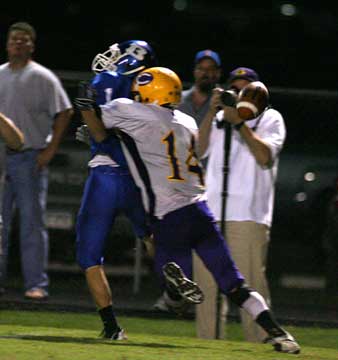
34,99
207,74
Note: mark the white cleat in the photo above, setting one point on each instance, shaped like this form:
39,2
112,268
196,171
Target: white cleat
285,343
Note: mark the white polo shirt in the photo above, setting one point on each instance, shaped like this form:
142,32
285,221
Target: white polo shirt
251,187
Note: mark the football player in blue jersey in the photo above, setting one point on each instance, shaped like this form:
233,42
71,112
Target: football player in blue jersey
109,188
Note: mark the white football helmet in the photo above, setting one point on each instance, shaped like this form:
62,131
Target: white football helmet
105,61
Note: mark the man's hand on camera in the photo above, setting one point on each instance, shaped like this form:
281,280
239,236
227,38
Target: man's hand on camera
215,100
231,115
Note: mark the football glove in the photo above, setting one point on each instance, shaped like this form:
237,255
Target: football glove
82,134
86,96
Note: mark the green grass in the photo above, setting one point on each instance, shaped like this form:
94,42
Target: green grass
29,335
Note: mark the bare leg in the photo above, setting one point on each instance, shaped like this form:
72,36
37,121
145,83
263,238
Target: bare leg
99,286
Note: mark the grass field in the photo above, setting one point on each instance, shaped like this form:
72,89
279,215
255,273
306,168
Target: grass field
28,335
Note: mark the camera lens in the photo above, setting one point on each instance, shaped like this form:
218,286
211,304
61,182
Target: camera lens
229,98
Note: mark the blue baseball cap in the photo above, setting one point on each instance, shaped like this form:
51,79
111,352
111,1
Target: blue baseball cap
208,54
243,73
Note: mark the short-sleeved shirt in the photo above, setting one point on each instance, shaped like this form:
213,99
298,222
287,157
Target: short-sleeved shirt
159,144
189,108
251,187
31,97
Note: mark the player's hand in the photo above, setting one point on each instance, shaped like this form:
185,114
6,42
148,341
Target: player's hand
86,97
82,134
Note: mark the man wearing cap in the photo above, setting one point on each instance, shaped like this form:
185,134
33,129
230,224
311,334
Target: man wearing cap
207,74
253,164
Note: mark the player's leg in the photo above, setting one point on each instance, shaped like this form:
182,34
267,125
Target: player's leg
173,246
135,212
212,249
96,215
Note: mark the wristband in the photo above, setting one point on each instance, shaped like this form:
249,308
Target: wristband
239,125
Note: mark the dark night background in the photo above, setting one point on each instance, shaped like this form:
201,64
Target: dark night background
297,51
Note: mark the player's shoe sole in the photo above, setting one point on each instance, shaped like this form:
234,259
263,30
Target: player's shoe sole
176,278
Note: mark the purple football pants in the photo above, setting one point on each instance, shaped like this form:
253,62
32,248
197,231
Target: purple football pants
194,227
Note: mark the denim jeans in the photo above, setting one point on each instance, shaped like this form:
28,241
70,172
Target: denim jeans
26,189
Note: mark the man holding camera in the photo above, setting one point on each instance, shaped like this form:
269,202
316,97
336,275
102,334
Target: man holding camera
253,164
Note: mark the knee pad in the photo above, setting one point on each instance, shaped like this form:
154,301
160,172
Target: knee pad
240,295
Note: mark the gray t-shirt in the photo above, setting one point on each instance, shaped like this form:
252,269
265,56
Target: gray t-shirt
186,105
31,97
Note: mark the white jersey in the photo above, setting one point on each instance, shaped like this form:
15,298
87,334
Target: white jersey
159,145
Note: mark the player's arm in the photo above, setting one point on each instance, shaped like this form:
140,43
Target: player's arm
86,104
95,125
12,136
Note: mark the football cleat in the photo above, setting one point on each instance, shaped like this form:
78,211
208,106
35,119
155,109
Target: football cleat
284,343
168,305
117,335
184,287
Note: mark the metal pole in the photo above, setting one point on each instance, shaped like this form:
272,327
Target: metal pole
226,168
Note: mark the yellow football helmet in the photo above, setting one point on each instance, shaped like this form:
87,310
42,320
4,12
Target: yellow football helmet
158,85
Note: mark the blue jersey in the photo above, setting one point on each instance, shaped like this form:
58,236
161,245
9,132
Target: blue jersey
110,85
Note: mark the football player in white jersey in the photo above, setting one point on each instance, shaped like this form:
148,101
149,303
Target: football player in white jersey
160,147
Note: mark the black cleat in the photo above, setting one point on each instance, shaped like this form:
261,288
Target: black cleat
117,335
186,288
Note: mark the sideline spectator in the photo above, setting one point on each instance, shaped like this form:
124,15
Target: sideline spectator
34,99
207,74
12,137
253,165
